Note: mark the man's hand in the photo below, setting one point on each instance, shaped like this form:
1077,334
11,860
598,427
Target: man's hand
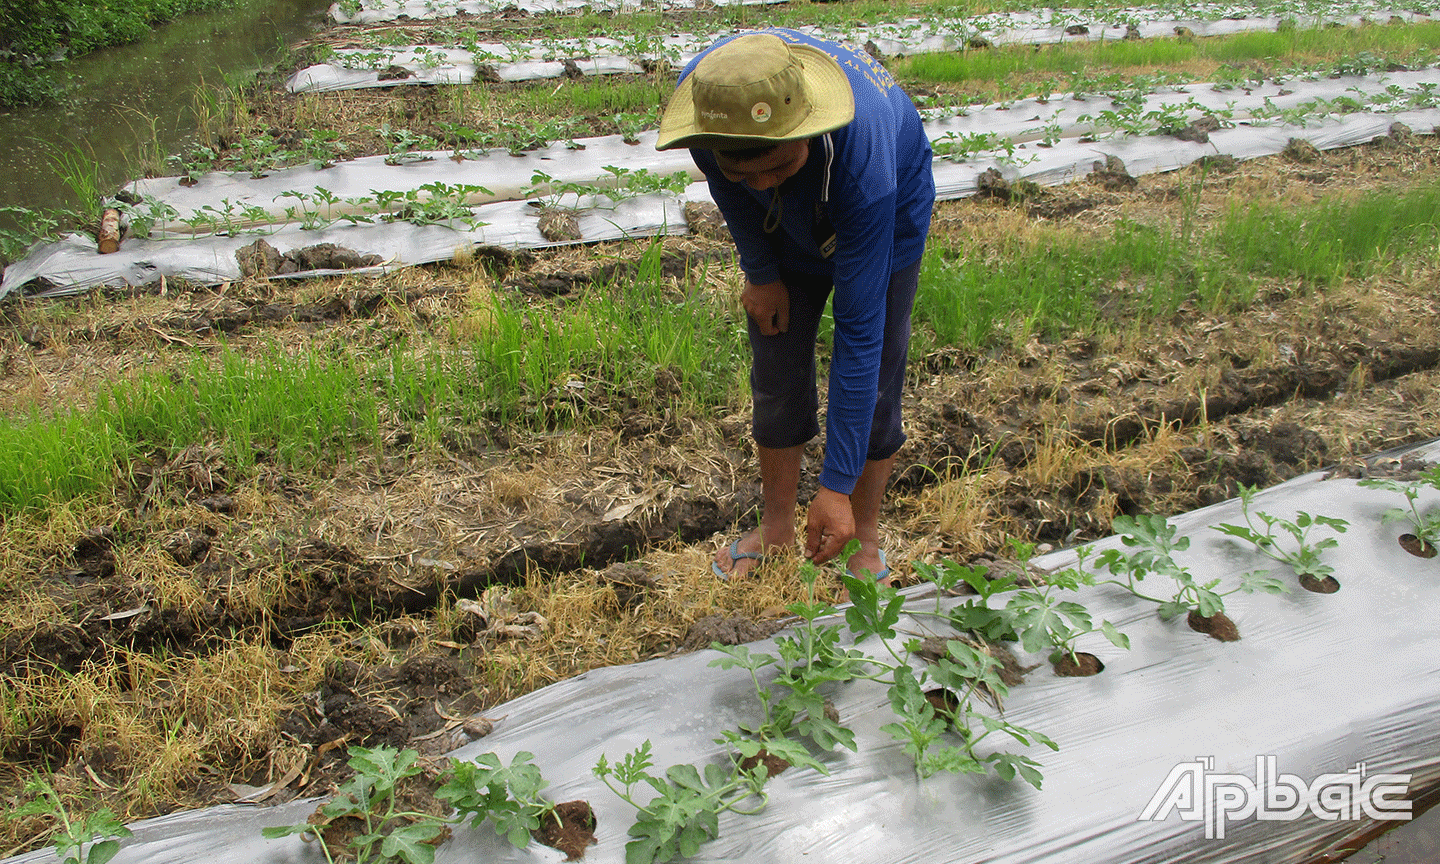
769,305
829,525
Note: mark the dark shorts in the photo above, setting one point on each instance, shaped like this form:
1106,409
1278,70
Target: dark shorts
782,367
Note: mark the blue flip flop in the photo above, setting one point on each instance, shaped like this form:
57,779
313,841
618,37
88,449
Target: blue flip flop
736,555
884,569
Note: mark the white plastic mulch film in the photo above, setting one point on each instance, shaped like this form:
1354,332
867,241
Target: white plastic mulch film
1020,26
1050,141
378,11
1338,691
357,68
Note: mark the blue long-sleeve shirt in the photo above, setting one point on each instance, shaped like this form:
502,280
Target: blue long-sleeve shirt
872,179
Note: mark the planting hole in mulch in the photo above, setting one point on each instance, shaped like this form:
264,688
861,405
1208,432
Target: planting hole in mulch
1082,665
572,830
1328,585
1415,546
944,702
1217,626
773,764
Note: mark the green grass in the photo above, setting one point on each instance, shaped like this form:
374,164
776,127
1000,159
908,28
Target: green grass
1080,60
292,410
1073,283
1333,241
642,342
609,350
585,96
536,367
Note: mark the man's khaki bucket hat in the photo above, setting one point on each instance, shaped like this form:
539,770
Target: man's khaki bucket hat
757,90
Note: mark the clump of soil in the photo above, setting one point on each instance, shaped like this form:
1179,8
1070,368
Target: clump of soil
731,630
773,764
1198,131
571,829
1416,546
992,184
1328,585
559,224
1217,626
260,259
1082,665
704,218
1300,150
1111,174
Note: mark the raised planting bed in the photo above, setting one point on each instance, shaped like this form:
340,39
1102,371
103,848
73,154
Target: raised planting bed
1333,691
417,206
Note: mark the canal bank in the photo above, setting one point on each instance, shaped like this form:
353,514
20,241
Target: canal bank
135,103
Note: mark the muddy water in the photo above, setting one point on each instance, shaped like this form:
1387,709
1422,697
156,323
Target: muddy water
128,100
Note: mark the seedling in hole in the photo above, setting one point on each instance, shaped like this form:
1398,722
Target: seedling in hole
194,165
975,615
685,813
1153,539
807,660
321,147
1041,619
508,796
463,138
484,789
259,155
404,144
1305,559
142,217
1035,617
386,832
1424,524
964,671
88,841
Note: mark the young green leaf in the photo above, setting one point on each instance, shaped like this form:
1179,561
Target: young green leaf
413,843
874,609
1208,602
1007,765
1170,608
102,851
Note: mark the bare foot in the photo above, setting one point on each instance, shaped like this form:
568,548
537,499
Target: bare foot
747,555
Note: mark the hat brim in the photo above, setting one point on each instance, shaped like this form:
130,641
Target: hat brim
832,105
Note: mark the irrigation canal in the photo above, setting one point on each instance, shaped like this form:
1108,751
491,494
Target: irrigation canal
130,99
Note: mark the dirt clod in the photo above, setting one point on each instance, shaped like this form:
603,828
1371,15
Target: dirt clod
736,630
572,830
1198,130
773,764
187,547
1222,163
1301,151
1217,626
1111,174
260,259
703,218
559,224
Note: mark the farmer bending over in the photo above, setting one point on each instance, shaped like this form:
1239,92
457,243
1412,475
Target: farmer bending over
819,163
